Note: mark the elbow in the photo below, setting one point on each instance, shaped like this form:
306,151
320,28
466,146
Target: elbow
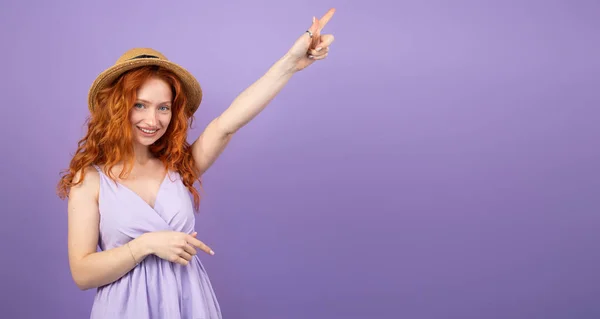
82,287
82,283
224,128
81,280
81,275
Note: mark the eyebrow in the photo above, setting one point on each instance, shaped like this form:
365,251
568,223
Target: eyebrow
147,102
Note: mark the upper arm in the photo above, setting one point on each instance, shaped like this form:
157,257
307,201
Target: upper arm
209,145
83,218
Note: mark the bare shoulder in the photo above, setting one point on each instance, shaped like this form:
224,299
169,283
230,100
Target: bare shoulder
89,187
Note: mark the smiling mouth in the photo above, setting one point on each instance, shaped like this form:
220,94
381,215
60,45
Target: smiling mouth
147,131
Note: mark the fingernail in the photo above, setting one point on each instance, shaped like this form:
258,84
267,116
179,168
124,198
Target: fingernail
319,49
212,252
314,19
310,56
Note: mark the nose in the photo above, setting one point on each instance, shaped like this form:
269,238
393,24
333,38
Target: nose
151,119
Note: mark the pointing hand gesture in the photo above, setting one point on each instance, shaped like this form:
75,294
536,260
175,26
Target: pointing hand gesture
177,247
312,45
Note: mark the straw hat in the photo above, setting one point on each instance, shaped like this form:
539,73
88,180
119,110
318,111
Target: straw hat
138,57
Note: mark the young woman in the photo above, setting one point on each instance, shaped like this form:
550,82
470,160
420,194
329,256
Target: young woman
130,185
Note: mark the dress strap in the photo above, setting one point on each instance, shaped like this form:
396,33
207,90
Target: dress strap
104,179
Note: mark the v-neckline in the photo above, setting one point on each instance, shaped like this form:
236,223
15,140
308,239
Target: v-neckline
160,187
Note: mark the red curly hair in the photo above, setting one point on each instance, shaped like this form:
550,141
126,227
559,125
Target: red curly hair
109,138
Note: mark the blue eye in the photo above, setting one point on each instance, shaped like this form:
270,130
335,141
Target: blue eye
138,105
164,108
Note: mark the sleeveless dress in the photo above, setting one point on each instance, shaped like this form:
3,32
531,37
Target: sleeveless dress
155,288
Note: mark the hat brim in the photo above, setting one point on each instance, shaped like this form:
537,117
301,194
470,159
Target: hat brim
191,87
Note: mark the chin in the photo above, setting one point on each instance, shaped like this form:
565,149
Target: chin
145,142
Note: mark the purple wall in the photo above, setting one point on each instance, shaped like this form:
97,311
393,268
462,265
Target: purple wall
442,163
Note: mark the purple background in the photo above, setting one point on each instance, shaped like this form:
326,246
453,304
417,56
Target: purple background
441,163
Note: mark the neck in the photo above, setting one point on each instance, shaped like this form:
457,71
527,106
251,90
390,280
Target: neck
142,154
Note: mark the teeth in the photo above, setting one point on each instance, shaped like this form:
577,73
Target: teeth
147,131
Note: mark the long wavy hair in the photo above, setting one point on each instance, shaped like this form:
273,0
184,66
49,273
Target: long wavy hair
109,137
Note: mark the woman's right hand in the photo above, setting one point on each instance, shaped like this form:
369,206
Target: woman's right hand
177,247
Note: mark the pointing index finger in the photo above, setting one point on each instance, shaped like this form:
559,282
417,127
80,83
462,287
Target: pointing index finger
325,18
197,243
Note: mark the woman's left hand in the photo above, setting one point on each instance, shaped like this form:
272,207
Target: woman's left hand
312,45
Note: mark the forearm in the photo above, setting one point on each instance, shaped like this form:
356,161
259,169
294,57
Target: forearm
102,268
256,97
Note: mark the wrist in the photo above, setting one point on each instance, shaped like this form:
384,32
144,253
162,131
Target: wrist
141,247
286,65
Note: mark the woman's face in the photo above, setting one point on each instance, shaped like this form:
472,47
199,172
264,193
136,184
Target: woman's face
151,113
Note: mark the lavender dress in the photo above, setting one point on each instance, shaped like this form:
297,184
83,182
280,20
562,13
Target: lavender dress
155,288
